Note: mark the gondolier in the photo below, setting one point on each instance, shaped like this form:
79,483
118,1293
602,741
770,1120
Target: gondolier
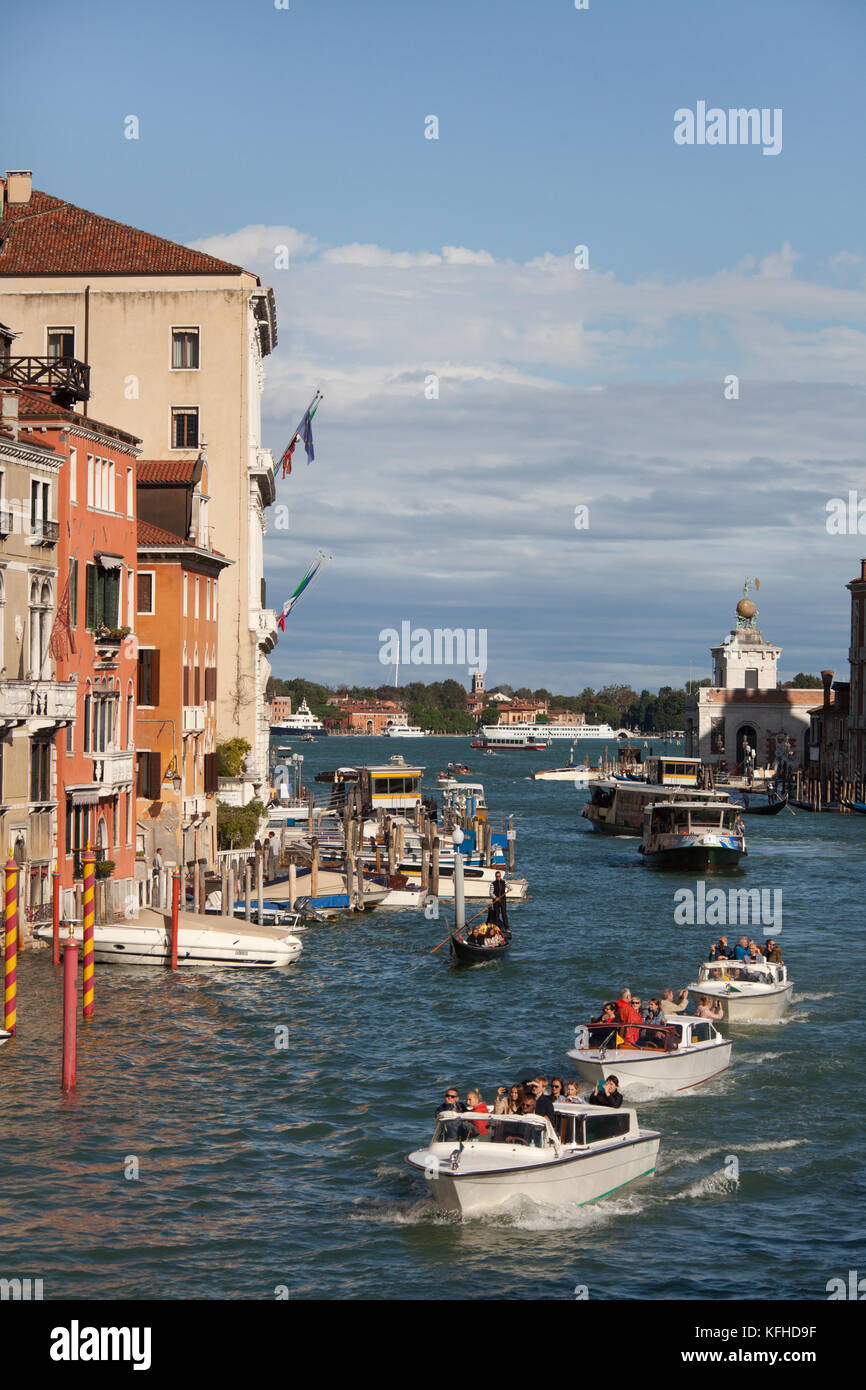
498,909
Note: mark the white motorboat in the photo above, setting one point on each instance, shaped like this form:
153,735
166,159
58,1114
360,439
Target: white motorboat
750,992
675,1056
476,1163
399,728
201,941
4,1036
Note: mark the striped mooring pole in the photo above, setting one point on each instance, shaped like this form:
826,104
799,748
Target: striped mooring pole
175,911
70,1021
55,916
89,863
10,957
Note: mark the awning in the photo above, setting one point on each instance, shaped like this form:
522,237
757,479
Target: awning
85,796
108,562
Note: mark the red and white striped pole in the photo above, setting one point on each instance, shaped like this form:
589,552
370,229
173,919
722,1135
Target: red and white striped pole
70,1013
175,915
89,862
10,958
55,915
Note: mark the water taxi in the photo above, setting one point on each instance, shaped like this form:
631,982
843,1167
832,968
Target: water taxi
750,992
693,835
617,805
675,1056
201,941
476,1163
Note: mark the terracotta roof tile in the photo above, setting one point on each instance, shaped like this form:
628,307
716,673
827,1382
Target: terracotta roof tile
49,236
38,405
150,535
168,472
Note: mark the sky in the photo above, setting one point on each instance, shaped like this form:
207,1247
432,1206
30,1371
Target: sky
481,381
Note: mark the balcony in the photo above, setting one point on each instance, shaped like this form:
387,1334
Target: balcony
193,719
68,379
262,472
40,704
267,628
7,520
112,769
194,806
44,532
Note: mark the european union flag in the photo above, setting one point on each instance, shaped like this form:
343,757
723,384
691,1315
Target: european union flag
307,437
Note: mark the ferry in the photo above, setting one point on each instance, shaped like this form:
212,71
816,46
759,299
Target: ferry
303,722
509,739
617,804
600,732
676,1056
393,787
694,835
476,1163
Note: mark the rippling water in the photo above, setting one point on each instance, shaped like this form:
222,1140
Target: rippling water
262,1167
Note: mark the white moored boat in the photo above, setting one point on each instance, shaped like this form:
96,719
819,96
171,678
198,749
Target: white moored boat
200,941
4,1036
681,1054
476,1163
750,992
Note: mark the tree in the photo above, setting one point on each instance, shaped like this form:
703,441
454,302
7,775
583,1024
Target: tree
230,757
803,682
237,825
621,697
490,715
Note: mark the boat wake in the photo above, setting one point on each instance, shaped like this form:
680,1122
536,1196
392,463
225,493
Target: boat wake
718,1184
760,1057
761,1146
809,998
523,1214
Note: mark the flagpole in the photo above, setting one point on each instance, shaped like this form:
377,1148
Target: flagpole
297,434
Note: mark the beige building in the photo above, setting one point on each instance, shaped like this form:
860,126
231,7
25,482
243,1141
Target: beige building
175,340
34,706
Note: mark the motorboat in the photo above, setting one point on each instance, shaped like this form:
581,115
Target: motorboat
399,728
617,804
749,991
453,770
4,1036
476,1163
303,722
674,1056
201,941
698,836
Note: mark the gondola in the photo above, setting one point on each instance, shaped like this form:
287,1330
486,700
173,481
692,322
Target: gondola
465,953
858,806
772,808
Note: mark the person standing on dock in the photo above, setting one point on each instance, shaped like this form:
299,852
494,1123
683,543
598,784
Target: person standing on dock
498,898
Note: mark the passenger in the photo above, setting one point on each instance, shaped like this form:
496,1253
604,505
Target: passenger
607,1015
543,1103
453,1129
654,1013
475,1102
494,937
500,1104
557,1088
526,1134
515,1100
720,950
627,1013
607,1093
742,948
772,952
709,1008
671,1005
572,1095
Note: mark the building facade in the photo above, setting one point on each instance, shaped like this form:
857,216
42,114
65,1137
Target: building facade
176,340
177,623
365,716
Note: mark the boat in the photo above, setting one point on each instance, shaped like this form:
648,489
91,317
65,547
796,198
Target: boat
200,941
398,728
693,835
4,1036
477,1163
581,775
472,953
675,1056
509,740
600,732
769,808
859,806
453,770
750,992
303,722
617,804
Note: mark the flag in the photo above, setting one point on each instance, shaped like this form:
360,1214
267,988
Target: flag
308,434
304,432
61,632
305,582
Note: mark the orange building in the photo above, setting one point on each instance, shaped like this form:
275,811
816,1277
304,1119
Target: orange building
366,716
176,625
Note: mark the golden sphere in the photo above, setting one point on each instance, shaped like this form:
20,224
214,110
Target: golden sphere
746,608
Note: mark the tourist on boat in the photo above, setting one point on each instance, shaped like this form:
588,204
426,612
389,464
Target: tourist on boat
772,952
607,1093
556,1089
708,1008
474,1102
742,950
670,1005
654,1013
543,1103
498,896
525,1134
607,1015
627,1013
572,1095
515,1100
500,1104
721,950
453,1129
755,952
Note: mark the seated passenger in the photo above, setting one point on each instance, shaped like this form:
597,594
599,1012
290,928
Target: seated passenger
556,1089
671,1005
500,1105
772,952
526,1134
720,950
755,952
607,1093
607,1015
742,948
475,1103
453,1129
572,1095
627,1013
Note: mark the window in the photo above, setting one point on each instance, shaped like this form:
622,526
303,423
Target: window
210,683
207,598
185,682
104,719
130,729
70,738
40,770
73,475
185,594
211,781
605,1127
751,678
145,592
196,596
184,349
130,493
61,342
184,427
148,676
149,780
90,484
109,503
39,497
102,597
88,715
73,593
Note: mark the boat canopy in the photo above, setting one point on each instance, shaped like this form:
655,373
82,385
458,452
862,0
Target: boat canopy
763,972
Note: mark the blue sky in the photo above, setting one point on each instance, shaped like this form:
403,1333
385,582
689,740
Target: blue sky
558,387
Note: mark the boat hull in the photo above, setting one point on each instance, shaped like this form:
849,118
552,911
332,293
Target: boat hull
694,858
140,943
575,1179
749,1008
677,1071
465,953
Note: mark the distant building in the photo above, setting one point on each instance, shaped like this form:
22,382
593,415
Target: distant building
746,708
280,708
566,716
477,699
522,711
365,716
828,732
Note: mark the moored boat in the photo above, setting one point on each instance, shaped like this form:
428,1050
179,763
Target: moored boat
4,1036
201,941
749,992
695,835
477,1163
675,1056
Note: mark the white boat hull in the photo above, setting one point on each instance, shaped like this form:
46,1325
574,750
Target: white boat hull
669,1071
755,1005
4,1037
149,943
574,1179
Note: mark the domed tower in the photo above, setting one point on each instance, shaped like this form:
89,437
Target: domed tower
744,661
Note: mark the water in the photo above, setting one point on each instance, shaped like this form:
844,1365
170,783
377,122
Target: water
261,1167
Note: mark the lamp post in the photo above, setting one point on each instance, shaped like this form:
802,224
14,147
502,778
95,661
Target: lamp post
459,903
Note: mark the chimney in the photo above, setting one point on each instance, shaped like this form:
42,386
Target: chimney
19,186
10,412
827,677
863,569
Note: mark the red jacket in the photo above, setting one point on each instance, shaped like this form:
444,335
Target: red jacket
628,1014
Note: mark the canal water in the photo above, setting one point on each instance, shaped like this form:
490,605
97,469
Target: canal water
199,1158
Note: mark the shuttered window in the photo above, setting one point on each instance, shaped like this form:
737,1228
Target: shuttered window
210,683
149,782
102,597
148,676
210,773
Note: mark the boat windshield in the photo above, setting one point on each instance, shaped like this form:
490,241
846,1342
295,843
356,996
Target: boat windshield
615,1037
527,1129
749,972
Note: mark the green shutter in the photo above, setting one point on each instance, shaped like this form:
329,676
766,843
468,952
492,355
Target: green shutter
111,609
90,618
